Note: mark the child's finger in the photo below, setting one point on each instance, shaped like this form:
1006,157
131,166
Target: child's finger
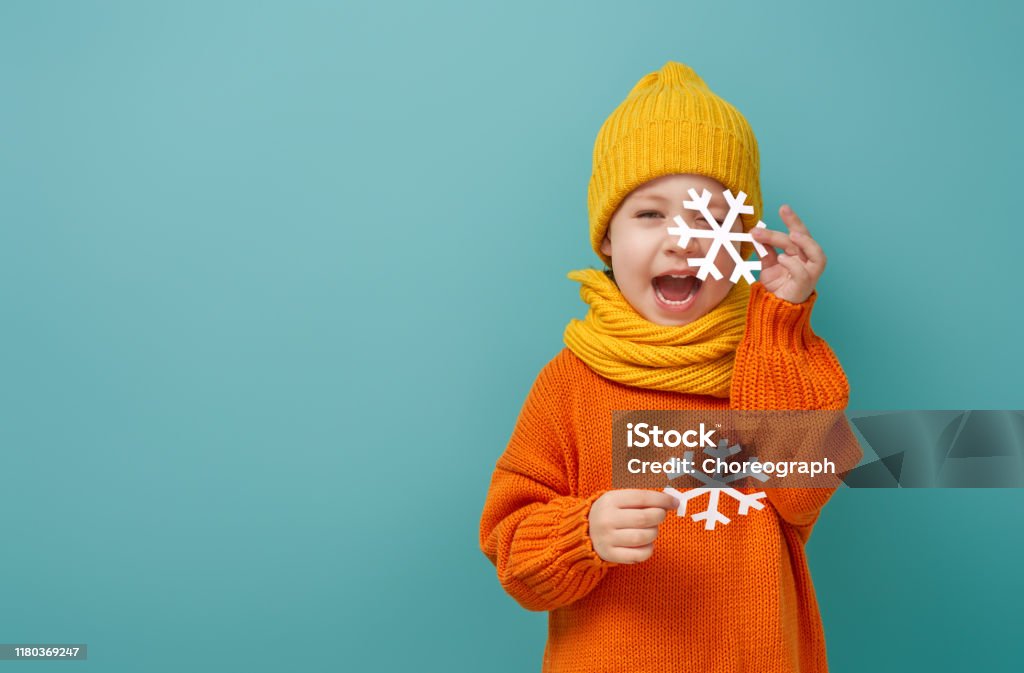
778,239
770,259
634,554
796,268
812,251
792,220
632,537
643,498
649,517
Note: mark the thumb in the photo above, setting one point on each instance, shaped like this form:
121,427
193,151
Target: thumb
668,501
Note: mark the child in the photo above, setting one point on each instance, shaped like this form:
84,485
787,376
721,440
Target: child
735,598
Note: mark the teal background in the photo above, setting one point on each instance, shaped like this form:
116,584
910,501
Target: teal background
275,279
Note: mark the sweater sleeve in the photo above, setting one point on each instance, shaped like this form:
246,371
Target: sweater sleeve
782,364
534,527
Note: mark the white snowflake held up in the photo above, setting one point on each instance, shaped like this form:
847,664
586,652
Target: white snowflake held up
720,234
715,484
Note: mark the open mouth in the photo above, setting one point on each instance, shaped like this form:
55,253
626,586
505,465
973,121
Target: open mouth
676,292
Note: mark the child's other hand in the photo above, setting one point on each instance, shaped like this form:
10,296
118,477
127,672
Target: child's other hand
624,523
792,275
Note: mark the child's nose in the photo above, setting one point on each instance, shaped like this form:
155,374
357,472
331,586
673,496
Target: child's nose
672,241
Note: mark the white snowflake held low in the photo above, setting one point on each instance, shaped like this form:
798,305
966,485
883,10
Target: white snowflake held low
720,234
711,515
715,484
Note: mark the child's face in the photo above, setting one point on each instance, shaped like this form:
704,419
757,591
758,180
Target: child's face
643,252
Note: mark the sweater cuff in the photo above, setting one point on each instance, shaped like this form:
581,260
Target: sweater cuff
572,536
560,535
777,324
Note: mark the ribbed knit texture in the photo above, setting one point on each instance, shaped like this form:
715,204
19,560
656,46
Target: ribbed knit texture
735,599
620,344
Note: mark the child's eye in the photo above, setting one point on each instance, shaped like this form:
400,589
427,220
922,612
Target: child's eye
650,212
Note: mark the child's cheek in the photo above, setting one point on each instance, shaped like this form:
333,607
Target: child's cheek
725,261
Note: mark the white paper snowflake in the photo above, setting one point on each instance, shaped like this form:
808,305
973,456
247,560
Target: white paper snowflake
720,234
715,484
711,515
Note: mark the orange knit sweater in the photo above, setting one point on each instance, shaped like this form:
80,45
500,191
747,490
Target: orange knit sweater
735,598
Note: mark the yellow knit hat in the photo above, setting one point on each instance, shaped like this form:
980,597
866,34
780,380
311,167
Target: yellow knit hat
671,122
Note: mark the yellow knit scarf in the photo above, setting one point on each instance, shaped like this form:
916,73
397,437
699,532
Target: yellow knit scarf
620,344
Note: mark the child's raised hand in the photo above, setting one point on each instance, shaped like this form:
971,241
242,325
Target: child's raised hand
624,523
792,275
